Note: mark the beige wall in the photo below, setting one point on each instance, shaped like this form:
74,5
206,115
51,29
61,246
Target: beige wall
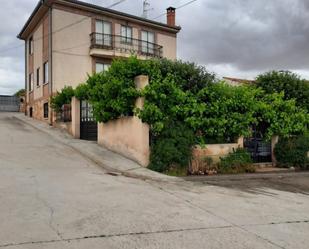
169,44
128,136
37,62
69,69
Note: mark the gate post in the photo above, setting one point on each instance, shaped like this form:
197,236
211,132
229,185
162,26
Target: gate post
75,117
274,141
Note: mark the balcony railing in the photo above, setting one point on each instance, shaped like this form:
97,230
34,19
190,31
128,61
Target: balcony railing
125,45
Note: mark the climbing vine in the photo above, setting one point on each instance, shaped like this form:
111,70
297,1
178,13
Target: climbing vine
186,105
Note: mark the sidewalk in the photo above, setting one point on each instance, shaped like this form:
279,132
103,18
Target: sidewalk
112,162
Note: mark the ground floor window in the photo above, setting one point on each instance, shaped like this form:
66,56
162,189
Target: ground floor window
45,107
101,67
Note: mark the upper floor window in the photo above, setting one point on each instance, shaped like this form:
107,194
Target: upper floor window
126,34
101,67
30,86
45,72
38,77
31,45
103,31
148,40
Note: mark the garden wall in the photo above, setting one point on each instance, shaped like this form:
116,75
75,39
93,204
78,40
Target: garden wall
213,151
128,136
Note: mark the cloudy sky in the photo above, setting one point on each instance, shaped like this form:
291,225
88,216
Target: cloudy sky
236,38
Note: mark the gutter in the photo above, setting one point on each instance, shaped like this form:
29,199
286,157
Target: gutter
26,72
50,57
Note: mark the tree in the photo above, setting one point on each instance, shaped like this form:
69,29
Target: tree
290,83
20,93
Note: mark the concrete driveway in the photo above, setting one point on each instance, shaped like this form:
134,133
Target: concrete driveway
52,197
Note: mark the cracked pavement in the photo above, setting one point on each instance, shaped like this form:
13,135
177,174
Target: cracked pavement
53,197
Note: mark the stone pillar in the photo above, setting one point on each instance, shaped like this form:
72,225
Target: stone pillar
274,141
75,117
240,142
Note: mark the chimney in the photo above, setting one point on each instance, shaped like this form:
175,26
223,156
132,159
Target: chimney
171,16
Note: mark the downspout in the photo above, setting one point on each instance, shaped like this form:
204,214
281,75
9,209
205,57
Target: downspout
26,73
50,59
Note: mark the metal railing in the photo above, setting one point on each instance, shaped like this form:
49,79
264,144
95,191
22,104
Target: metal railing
125,44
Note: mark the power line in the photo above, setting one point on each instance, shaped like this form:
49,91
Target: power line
117,3
179,7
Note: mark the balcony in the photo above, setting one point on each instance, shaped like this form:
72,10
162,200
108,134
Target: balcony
116,45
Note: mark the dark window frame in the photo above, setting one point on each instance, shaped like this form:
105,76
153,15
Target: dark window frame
38,77
31,45
45,110
30,82
45,72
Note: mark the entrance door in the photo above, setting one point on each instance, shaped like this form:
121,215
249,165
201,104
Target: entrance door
259,149
88,125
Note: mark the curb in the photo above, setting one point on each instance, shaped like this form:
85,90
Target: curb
64,138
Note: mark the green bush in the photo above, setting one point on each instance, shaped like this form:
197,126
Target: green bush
172,148
293,151
290,83
62,98
239,161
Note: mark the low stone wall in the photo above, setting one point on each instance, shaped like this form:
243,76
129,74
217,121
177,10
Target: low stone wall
200,155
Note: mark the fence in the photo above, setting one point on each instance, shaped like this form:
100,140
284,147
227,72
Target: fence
9,103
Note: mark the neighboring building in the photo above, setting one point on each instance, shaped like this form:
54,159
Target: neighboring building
65,40
237,82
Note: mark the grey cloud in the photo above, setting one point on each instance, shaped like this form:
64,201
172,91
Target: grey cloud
241,37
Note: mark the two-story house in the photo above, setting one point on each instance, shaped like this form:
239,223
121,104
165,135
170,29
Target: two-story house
65,40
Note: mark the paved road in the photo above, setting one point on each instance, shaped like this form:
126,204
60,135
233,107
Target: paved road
51,197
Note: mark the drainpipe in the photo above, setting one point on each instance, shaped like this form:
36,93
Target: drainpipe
50,58
26,73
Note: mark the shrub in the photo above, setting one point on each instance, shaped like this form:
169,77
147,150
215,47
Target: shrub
291,84
62,98
293,151
238,161
172,148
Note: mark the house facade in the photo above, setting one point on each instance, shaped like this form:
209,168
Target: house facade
65,40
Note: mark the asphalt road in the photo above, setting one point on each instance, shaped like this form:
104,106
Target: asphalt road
52,197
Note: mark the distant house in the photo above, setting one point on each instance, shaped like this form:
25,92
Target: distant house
65,40
237,82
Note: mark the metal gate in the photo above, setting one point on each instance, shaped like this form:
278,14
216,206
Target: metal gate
259,149
9,103
88,125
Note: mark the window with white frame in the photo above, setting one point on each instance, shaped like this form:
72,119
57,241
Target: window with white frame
148,40
45,72
103,31
126,34
101,67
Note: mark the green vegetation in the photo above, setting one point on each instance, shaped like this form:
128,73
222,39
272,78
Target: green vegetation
289,83
63,97
293,151
186,105
20,93
239,161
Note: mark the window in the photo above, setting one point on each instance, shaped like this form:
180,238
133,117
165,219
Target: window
45,107
147,42
31,45
30,86
126,34
38,77
101,67
103,31
45,72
